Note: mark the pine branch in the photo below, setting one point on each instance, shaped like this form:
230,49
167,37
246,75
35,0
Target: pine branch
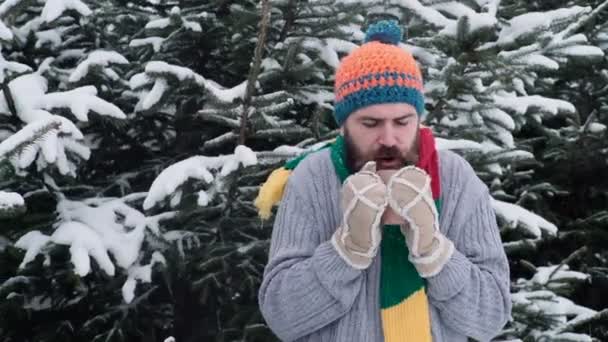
571,257
8,148
572,29
600,316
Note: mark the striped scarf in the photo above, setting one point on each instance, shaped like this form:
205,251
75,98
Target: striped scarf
403,299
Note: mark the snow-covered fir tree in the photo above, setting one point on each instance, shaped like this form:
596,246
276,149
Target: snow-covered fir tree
134,136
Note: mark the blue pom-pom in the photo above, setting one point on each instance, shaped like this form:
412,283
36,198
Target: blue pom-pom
385,31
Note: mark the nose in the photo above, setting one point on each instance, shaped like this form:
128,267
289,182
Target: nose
388,136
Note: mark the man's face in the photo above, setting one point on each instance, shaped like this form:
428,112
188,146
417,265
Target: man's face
384,133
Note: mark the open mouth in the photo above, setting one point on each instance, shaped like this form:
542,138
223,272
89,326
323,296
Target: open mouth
386,162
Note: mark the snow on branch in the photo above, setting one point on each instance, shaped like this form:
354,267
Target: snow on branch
520,217
426,13
521,104
10,203
53,9
198,167
158,70
97,229
544,302
100,58
13,67
6,5
29,92
31,103
529,24
175,18
5,32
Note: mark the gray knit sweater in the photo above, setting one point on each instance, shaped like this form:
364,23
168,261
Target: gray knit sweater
309,293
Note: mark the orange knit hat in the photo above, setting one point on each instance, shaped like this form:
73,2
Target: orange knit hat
377,72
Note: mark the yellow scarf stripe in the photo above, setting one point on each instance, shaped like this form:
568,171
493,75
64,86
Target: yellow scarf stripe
408,320
271,192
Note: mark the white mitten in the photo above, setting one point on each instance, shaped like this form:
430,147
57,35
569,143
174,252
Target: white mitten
409,194
363,201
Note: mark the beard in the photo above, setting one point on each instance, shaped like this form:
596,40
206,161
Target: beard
386,157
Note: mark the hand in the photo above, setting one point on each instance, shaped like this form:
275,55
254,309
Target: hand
409,194
364,199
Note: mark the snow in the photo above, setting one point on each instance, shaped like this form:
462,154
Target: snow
542,274
27,132
322,97
139,80
81,101
158,68
340,45
192,26
167,182
5,32
428,14
197,167
477,21
534,22
596,127
499,117
457,144
287,149
326,52
96,228
53,37
202,199
83,241
269,63
242,156
517,216
156,42
53,9
32,242
580,51
10,200
96,58
152,98
182,237
566,337
142,273
26,90
12,281
11,66
158,23
38,303
521,104
539,61
454,8
550,304
6,5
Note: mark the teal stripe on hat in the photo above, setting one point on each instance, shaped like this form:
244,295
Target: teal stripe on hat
378,95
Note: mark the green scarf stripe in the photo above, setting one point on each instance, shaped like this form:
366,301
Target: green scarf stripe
398,277
337,157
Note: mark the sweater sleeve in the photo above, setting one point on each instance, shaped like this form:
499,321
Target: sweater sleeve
471,292
306,284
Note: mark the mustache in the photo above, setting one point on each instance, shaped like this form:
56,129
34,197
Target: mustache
388,152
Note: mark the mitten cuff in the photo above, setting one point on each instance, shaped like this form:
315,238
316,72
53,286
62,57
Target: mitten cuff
431,263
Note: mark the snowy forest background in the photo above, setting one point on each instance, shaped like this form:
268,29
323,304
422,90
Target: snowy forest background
134,136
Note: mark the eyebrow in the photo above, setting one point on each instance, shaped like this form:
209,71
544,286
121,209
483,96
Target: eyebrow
402,117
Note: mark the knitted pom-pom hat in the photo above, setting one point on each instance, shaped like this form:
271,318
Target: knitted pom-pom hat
378,71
